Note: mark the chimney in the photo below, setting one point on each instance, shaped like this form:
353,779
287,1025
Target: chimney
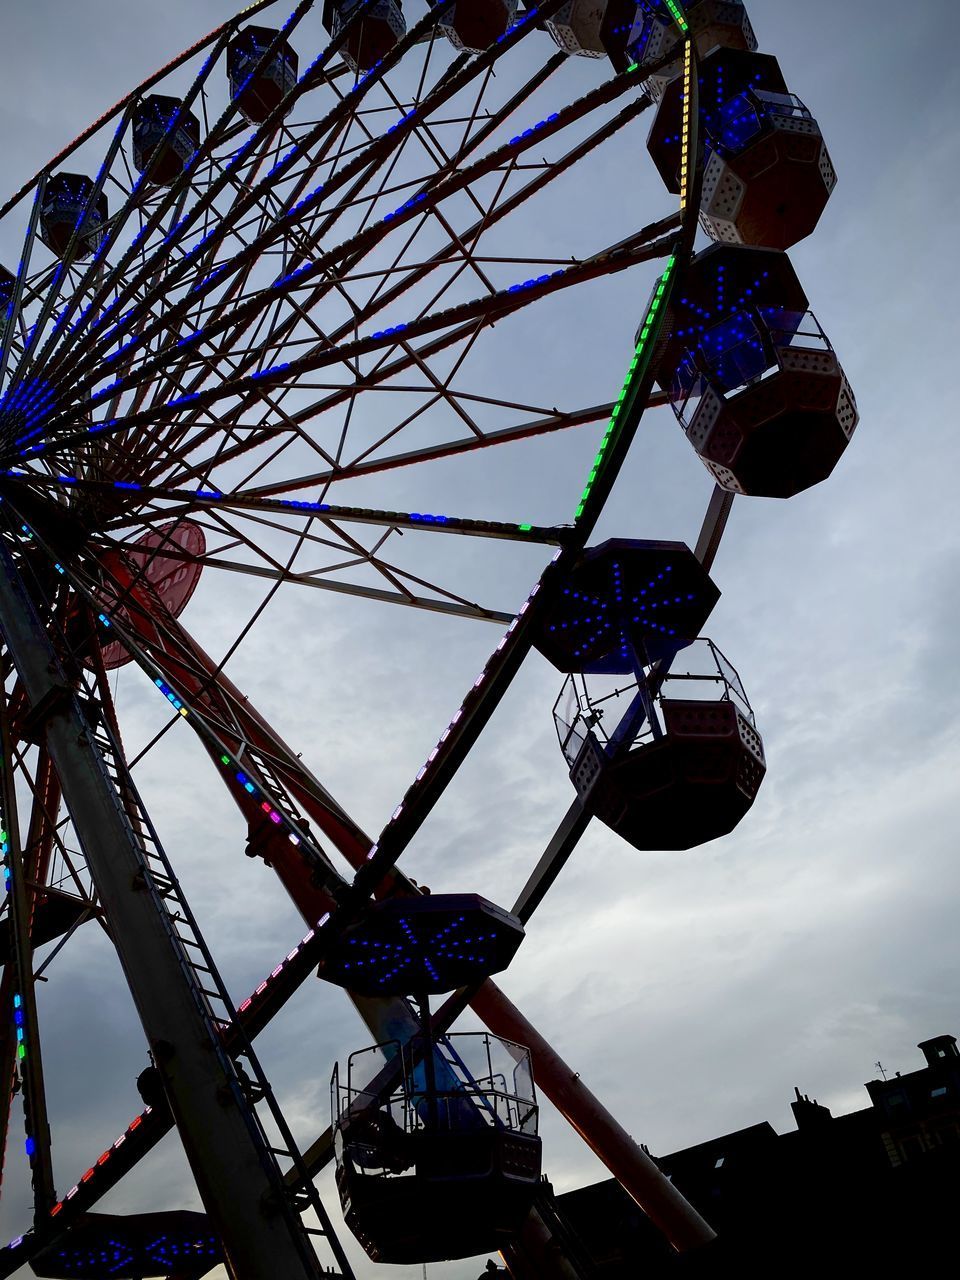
807,1114
940,1050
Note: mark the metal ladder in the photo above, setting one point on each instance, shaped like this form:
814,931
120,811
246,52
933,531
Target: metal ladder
250,1087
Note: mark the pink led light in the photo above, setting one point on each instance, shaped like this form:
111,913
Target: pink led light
147,1110
326,916
120,1141
501,644
292,954
266,807
393,817
244,1006
434,753
308,938
71,1193
420,774
261,989
480,679
455,718
276,970
275,817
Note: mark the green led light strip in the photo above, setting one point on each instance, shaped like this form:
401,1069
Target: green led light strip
651,325
677,14
638,367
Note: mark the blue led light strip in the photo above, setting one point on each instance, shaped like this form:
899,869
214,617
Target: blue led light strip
220,37
303,146
453,183
243,502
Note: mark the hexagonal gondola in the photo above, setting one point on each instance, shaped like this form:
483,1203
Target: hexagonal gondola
457,1135
259,83
677,763
64,199
165,137
473,25
768,173
371,38
752,376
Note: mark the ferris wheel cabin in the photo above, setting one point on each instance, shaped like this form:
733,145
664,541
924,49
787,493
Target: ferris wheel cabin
670,760
165,136
63,205
576,25
473,25
445,1167
752,377
259,81
713,23
372,38
768,173
443,1162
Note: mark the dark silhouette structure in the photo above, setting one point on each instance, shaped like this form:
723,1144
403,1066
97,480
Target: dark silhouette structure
872,1191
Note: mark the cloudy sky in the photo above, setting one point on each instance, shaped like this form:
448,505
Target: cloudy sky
691,991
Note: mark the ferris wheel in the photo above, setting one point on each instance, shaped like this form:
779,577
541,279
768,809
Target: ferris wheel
314,256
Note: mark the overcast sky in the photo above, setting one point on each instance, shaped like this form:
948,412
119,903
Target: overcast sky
691,991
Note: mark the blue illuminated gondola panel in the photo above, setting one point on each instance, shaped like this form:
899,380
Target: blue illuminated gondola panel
164,139
626,604
768,174
259,83
132,1246
429,944
65,197
753,378
712,23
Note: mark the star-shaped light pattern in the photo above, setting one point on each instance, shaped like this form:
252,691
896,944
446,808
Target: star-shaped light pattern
728,79
431,944
626,603
726,295
130,1246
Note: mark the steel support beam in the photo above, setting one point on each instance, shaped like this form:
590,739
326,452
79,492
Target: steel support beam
560,1083
227,1156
